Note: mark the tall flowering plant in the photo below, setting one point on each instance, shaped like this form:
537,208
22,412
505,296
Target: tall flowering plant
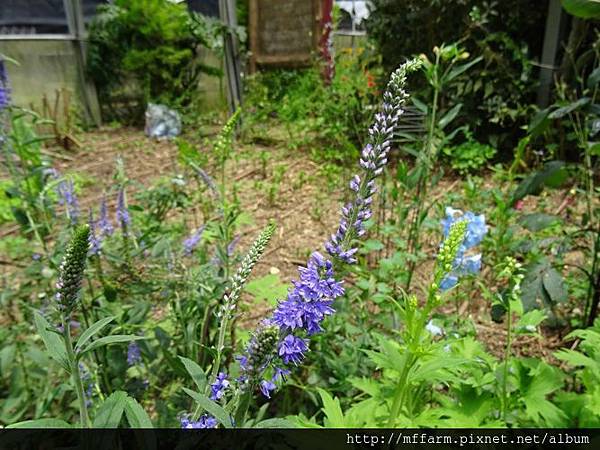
281,341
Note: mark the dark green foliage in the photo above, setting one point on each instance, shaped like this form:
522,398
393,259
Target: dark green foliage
145,50
507,34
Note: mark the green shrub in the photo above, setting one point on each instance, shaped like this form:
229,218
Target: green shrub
469,156
146,50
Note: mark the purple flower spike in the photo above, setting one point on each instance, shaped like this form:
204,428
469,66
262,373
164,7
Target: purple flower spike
123,218
106,228
191,242
95,240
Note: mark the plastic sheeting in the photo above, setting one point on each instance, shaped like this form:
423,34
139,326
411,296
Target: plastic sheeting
162,122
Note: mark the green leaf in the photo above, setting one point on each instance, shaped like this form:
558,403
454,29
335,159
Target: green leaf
107,340
585,9
332,409
195,372
91,331
553,175
449,116
576,359
111,410
564,110
136,416
538,221
594,78
539,123
458,70
41,423
275,423
268,288
554,286
54,343
542,287
211,407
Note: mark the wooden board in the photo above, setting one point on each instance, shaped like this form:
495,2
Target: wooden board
283,32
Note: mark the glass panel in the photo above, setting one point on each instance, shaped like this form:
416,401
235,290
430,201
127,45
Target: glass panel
33,17
206,7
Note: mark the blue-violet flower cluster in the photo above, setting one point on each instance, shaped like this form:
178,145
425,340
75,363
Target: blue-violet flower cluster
464,263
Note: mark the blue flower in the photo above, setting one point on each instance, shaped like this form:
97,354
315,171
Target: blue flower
191,242
217,389
134,355
476,227
292,349
204,421
448,282
106,228
95,240
464,264
122,213
266,387
67,197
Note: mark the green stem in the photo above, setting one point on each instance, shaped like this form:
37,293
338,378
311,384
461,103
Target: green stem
83,413
400,391
506,361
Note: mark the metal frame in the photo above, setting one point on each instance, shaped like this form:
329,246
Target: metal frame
76,35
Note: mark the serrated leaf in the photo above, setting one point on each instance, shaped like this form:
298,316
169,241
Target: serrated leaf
53,342
41,423
211,407
136,416
108,340
91,331
195,372
110,412
576,359
332,409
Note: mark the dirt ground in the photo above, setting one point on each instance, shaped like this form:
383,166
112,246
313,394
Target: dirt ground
306,212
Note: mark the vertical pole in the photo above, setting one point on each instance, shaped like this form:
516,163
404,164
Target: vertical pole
253,32
227,14
77,31
550,49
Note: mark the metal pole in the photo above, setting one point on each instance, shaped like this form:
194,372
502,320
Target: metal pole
76,26
232,61
550,49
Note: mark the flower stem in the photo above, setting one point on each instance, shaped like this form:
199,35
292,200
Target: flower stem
83,413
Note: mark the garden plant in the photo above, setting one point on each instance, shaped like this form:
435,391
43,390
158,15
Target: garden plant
408,241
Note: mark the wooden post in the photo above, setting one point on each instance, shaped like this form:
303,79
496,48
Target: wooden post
549,52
